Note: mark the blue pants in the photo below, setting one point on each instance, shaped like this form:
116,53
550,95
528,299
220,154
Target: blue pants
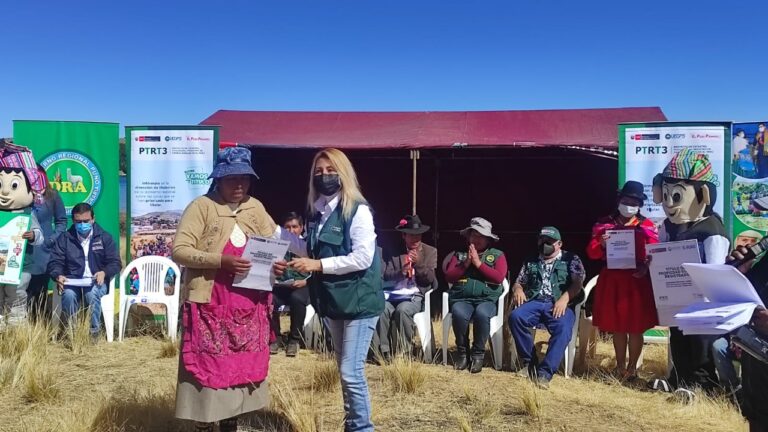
462,313
351,339
73,296
530,315
724,357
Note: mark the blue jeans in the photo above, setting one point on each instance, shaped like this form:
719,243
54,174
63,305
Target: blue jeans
724,357
462,313
351,339
73,296
530,315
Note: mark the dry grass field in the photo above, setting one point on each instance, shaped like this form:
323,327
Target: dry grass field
72,386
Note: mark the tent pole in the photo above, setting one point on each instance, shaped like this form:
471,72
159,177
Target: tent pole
414,158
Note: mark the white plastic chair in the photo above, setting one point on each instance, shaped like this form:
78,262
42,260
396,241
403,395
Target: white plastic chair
570,350
587,332
107,310
497,327
152,271
423,322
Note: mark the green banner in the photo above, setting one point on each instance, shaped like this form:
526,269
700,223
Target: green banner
82,162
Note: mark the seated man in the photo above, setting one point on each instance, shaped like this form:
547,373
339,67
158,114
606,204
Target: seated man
85,251
409,275
543,294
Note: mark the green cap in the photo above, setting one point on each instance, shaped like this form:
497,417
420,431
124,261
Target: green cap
551,232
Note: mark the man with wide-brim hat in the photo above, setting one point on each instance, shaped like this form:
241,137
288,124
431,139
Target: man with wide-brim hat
408,274
475,274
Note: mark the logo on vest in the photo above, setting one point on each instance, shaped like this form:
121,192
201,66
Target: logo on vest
74,176
336,229
490,258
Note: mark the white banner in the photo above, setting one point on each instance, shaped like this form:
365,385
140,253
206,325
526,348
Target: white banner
647,151
169,169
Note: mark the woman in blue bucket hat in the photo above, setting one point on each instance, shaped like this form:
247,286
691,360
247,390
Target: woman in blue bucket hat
225,329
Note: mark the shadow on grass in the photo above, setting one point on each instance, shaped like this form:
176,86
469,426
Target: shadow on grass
154,411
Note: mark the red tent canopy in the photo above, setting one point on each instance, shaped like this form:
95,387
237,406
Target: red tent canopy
387,130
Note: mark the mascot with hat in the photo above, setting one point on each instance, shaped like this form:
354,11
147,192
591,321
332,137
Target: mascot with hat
21,185
686,189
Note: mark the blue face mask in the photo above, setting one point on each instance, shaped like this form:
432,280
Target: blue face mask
83,228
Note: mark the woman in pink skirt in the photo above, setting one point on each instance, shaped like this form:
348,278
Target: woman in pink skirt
624,304
225,330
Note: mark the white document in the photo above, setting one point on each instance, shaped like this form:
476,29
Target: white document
262,253
733,300
83,282
620,249
672,286
723,283
406,288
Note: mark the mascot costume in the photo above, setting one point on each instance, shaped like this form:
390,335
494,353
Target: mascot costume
686,189
21,186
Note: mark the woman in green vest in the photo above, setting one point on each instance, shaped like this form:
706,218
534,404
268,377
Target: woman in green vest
475,275
345,286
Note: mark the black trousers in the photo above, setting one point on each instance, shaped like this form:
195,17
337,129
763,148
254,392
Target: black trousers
297,300
693,361
37,297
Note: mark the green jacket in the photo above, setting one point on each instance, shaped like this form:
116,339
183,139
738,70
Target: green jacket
472,288
350,296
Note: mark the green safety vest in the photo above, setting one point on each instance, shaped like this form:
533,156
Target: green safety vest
560,278
349,296
472,288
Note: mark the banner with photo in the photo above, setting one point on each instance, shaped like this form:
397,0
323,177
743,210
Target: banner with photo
749,190
82,162
168,168
646,148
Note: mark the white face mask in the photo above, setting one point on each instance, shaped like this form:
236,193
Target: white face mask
628,211
762,129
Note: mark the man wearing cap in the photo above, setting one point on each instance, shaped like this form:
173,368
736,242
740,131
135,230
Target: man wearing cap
546,288
407,277
687,191
475,275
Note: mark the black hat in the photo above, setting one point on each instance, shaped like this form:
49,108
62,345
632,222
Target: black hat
633,189
411,224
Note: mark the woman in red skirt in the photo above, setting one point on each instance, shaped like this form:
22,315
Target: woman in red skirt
624,304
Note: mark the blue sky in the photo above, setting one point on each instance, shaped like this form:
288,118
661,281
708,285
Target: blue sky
162,62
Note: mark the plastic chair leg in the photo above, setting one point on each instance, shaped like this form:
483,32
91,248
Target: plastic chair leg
497,340
173,321
446,330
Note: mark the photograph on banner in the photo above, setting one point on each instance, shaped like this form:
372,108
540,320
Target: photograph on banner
168,170
749,190
12,246
646,149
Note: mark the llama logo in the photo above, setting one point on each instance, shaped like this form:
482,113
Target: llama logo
74,176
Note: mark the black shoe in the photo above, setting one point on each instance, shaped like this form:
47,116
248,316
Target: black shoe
292,350
461,363
477,365
274,347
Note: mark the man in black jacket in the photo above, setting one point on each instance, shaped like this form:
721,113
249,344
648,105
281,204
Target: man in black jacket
83,261
754,373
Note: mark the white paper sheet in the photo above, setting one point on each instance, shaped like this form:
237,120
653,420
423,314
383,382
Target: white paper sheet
672,286
262,253
723,283
620,249
83,282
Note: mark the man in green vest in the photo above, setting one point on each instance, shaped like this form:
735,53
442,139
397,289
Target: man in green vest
546,289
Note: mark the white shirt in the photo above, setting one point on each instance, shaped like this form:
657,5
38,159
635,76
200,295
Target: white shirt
86,245
362,235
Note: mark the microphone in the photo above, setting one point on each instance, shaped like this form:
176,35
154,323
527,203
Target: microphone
752,252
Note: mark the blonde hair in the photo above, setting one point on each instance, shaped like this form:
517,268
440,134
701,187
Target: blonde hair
349,193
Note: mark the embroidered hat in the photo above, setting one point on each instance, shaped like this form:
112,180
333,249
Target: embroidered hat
482,226
689,165
233,161
20,157
411,224
551,232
